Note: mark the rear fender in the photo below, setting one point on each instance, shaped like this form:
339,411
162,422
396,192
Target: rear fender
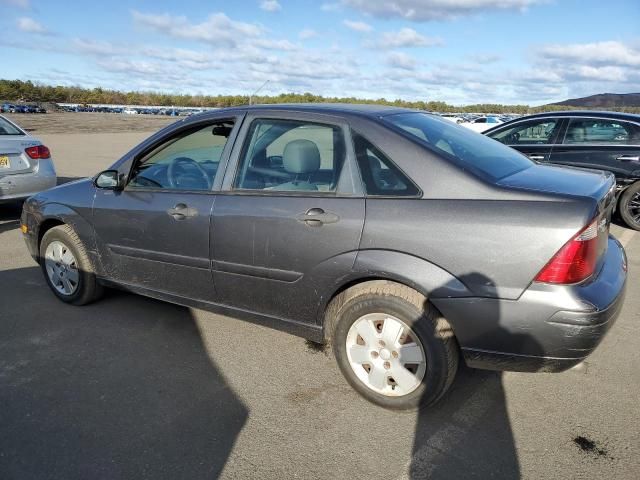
421,275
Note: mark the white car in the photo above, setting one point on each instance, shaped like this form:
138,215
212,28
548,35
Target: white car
26,166
452,117
130,111
483,123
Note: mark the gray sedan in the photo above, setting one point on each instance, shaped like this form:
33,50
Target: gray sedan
404,241
26,166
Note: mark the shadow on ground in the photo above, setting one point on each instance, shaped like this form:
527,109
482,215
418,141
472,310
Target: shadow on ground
468,434
121,389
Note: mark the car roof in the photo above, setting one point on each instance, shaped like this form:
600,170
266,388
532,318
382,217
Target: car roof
587,113
366,110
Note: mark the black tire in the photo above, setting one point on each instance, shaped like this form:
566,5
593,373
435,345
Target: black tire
88,289
415,311
631,194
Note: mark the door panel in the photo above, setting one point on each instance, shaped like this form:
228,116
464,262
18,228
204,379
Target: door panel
155,233
144,240
601,144
273,254
287,224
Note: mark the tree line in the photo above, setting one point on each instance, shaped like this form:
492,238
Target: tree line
34,92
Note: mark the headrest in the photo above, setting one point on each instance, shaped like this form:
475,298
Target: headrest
301,156
577,133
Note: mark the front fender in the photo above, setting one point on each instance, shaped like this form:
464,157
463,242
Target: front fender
47,215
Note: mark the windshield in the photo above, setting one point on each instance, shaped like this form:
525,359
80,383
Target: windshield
7,128
468,148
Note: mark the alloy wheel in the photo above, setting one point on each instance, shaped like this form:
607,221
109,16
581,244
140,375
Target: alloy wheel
633,207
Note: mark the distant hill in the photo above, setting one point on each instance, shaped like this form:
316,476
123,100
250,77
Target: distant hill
604,100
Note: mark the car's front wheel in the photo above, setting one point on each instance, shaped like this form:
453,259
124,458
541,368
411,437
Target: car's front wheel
630,206
67,268
392,345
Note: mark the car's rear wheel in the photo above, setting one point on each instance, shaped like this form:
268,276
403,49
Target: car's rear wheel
67,268
630,206
392,345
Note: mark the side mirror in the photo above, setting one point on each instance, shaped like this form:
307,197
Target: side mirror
109,180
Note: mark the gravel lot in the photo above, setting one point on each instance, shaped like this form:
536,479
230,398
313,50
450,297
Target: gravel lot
135,388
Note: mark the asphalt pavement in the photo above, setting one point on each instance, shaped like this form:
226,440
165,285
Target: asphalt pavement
134,388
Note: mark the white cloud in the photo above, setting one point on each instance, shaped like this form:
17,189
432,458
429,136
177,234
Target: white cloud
357,26
270,5
599,53
307,33
92,47
29,25
425,10
407,37
216,29
401,60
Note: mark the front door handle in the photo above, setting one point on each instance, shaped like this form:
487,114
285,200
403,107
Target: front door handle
181,212
316,217
536,158
629,158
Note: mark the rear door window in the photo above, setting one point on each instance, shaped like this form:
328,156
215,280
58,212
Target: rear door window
291,155
599,131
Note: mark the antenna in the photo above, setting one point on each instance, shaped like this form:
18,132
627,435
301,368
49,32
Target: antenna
259,88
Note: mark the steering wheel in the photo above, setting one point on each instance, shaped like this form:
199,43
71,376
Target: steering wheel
174,168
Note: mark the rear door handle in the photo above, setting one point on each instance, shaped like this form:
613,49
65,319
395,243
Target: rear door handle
629,158
316,217
181,212
536,158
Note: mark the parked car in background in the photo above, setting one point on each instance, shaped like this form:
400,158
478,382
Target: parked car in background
453,117
399,237
601,140
482,123
130,111
26,166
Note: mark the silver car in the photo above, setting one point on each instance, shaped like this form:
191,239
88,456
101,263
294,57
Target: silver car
26,166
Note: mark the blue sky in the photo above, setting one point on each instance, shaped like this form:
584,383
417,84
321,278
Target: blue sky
458,51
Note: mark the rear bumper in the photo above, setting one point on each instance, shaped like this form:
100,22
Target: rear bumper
24,185
549,328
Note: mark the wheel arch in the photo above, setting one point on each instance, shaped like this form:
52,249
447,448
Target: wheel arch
52,215
424,277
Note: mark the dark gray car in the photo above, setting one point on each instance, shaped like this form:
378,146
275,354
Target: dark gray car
404,240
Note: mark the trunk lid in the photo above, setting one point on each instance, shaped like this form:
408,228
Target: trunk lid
13,159
587,248
560,180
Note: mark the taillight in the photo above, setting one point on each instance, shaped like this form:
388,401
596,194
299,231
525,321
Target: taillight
39,151
576,261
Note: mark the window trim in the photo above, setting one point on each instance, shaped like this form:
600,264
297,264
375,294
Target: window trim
419,194
237,156
173,136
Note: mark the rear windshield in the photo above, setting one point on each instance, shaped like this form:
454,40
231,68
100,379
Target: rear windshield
469,149
7,128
